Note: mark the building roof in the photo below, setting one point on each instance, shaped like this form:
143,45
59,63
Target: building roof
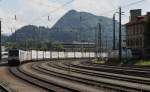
140,19
74,43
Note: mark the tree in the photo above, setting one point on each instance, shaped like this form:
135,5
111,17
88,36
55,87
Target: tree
58,47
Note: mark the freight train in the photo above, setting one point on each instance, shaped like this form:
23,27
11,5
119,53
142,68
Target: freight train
114,54
16,57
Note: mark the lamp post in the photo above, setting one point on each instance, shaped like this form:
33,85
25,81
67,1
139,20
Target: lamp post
120,34
100,39
114,32
0,42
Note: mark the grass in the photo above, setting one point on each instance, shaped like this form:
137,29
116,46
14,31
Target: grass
143,63
95,61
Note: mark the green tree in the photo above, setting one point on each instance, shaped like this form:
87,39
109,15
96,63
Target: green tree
58,47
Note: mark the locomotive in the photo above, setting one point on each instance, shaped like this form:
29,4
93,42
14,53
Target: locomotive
16,57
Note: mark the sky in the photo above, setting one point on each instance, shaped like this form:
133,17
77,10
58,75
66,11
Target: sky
36,12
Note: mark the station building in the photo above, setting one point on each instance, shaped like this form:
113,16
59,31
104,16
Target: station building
138,32
77,46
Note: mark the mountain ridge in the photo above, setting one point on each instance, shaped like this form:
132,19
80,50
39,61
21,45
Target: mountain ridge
73,26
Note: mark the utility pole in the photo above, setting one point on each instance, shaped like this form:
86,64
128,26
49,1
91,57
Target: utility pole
120,40
80,36
96,42
106,42
0,43
99,39
114,32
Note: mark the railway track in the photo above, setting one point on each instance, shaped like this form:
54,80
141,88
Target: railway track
74,77
4,89
108,75
63,77
40,82
44,81
116,69
139,80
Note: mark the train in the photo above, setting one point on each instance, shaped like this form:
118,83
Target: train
17,57
114,54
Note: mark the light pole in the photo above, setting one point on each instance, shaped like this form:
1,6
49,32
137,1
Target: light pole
99,39
80,35
0,39
0,43
120,33
114,32
96,44
120,40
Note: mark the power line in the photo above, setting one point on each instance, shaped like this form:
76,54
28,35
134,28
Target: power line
114,10
133,3
56,10
107,12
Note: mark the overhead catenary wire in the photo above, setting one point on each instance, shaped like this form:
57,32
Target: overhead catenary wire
110,11
55,10
69,2
114,10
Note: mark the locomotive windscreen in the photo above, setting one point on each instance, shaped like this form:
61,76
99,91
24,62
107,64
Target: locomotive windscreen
13,52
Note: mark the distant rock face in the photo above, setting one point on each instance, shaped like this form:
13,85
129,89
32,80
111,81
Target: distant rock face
30,32
4,38
85,26
73,26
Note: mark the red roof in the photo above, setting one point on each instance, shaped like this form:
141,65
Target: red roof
140,19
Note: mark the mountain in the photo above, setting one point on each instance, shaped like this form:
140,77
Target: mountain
30,32
84,26
73,26
4,38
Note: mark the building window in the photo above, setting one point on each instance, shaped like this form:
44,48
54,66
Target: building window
137,43
140,40
142,29
136,30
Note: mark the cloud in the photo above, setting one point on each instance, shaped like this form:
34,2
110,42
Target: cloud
36,12
95,6
39,10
